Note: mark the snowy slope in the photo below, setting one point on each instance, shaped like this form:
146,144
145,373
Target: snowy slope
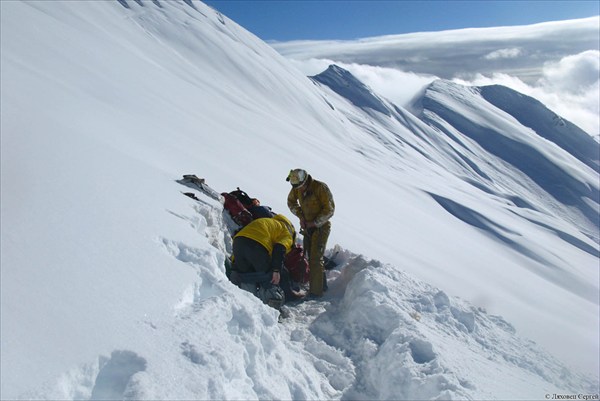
560,175
113,283
509,184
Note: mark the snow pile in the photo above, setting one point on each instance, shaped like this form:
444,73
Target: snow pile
113,282
409,340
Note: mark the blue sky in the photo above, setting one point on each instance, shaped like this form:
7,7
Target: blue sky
337,19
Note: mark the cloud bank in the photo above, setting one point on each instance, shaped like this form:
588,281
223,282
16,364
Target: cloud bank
556,62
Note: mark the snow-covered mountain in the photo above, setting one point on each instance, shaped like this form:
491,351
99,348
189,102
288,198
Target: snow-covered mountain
466,228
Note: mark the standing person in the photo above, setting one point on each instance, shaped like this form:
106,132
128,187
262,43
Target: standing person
311,201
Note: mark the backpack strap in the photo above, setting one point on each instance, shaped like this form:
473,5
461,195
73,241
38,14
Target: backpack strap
290,229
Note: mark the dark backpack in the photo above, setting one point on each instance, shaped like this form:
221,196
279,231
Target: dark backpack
247,202
240,215
297,265
243,197
261,211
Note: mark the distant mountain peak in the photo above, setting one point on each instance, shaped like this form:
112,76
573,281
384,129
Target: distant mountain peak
345,84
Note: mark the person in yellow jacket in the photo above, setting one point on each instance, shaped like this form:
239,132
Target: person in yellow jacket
260,247
312,202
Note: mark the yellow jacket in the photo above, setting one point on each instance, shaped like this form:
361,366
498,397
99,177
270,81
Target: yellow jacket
312,202
269,231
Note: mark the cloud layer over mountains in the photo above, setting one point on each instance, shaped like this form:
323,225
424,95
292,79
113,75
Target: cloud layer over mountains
556,62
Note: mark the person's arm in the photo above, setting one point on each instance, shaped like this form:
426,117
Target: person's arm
277,257
293,204
327,206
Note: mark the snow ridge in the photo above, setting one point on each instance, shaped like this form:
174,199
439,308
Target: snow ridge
575,189
533,114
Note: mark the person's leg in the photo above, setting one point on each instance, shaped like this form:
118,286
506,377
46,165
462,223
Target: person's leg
250,287
259,260
248,257
317,242
240,261
307,244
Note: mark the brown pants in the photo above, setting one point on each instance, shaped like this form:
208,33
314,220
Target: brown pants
315,242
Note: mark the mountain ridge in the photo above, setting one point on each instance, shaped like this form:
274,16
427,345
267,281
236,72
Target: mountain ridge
533,114
536,162
555,172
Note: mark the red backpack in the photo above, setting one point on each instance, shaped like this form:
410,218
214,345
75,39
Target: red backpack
297,265
236,210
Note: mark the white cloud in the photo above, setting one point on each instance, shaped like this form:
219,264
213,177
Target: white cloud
518,50
575,73
558,63
398,86
504,53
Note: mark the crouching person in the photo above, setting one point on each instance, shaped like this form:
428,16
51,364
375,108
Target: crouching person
258,254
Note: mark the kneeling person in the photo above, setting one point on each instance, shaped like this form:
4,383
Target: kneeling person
258,254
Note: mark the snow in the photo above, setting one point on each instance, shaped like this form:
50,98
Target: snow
459,274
